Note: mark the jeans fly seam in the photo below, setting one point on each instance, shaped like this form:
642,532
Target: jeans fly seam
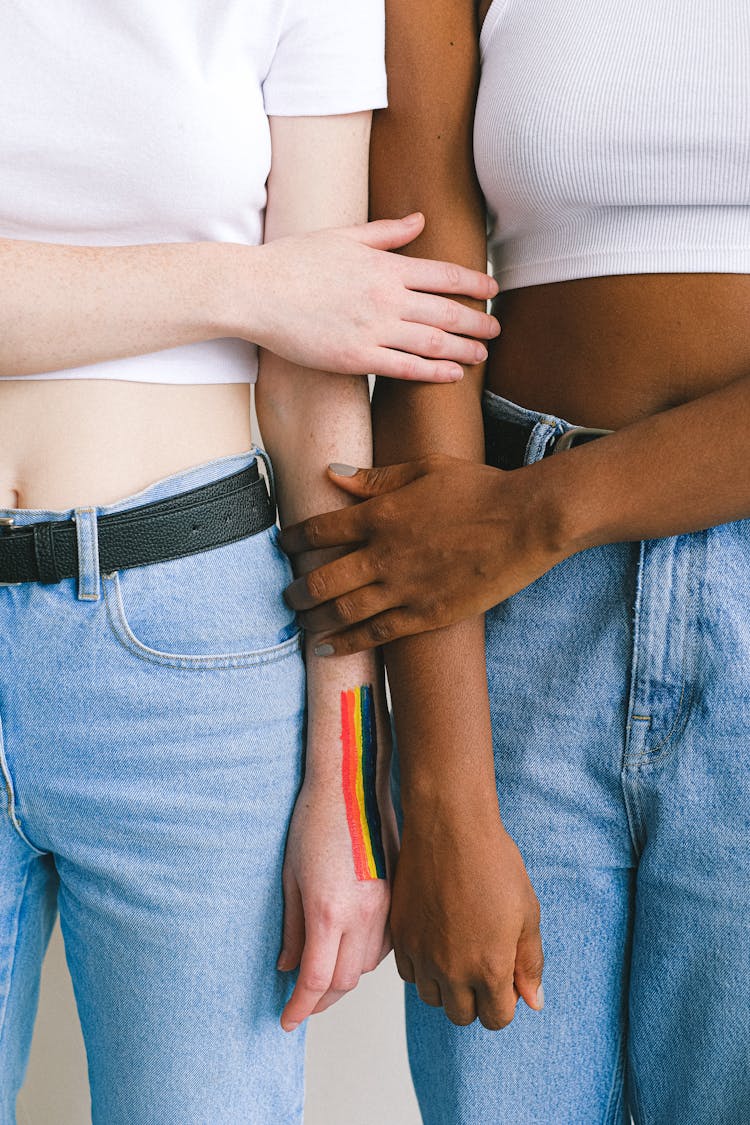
635,652
11,803
127,638
657,752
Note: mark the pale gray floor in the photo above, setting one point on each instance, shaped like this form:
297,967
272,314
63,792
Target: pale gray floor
372,1088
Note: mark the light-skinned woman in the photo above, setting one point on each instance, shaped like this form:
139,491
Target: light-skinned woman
152,684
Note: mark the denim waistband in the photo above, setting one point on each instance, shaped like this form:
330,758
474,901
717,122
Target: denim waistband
542,427
171,485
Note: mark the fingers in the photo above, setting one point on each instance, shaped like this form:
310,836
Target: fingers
447,277
293,938
388,234
331,529
434,343
412,368
380,630
449,316
347,609
346,974
372,482
404,966
429,991
326,582
529,966
496,1005
460,1005
316,972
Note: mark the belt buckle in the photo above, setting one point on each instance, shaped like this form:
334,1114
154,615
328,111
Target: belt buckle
578,435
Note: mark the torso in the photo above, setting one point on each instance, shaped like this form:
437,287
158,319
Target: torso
68,443
138,126
605,351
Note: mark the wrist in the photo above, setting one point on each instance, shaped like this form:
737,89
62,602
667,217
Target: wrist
565,514
428,800
237,281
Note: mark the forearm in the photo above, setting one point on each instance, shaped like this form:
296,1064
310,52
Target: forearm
67,306
307,420
438,681
678,471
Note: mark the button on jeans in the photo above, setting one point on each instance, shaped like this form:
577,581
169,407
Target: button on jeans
620,690
152,737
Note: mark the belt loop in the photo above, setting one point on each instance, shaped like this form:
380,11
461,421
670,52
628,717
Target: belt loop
88,554
269,475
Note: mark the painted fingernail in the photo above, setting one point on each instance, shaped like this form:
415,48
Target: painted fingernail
540,997
343,470
324,650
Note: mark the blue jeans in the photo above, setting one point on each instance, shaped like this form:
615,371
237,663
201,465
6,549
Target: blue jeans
152,737
620,689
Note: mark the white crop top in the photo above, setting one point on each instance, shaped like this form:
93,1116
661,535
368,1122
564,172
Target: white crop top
137,121
613,137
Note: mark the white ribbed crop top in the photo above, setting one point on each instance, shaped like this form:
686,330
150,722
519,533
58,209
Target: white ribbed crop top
134,121
613,137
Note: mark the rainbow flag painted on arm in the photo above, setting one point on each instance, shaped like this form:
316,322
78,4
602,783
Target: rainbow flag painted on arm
359,777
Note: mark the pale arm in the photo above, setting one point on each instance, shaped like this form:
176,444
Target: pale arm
335,922
457,863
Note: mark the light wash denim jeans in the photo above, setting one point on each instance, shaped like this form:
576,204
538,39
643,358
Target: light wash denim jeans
152,731
620,688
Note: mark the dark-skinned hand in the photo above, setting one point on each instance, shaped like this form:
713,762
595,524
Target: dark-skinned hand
433,542
465,919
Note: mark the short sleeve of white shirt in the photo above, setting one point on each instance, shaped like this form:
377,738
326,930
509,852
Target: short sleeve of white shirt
330,59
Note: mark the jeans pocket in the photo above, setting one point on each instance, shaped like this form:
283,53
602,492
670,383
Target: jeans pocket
221,608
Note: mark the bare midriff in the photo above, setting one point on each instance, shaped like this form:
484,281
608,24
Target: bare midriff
606,351
68,443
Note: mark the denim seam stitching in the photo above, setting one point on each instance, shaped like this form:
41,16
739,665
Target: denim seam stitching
126,637
94,597
614,1102
11,804
637,1111
4,1009
657,752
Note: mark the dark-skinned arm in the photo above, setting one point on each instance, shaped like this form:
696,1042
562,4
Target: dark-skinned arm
678,471
465,919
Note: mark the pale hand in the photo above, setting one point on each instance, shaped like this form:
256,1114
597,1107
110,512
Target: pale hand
335,926
357,309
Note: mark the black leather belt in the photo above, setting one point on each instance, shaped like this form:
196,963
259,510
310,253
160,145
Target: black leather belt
208,516
506,440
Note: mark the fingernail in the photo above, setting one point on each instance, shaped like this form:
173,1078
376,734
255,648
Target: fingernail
282,964
496,328
343,470
292,1026
324,650
540,997
482,353
415,215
